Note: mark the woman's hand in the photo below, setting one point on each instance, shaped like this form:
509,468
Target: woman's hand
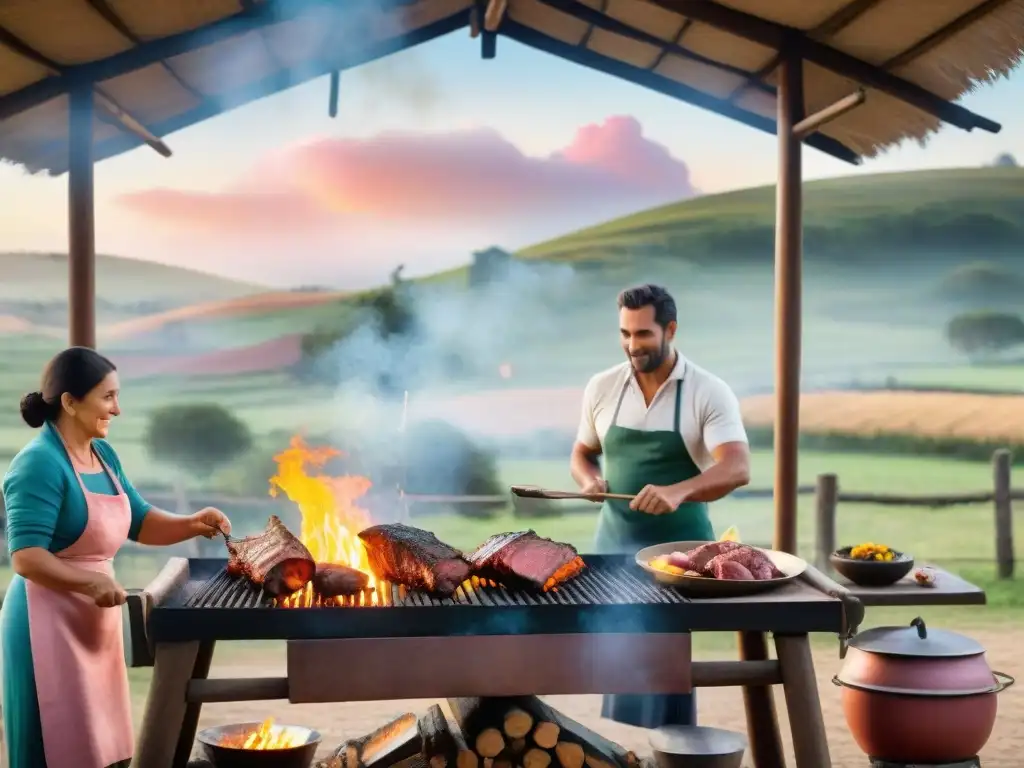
210,522
104,591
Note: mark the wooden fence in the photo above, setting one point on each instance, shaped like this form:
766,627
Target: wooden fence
827,492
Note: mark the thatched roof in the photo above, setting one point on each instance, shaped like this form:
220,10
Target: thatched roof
156,66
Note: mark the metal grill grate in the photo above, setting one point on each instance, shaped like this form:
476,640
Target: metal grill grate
600,584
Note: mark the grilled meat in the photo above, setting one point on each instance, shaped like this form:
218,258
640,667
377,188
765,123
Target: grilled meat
332,580
275,559
702,555
526,559
749,559
415,558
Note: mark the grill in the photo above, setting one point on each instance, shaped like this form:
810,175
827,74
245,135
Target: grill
611,595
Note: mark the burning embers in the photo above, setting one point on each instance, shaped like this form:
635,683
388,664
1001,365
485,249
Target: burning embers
257,744
338,559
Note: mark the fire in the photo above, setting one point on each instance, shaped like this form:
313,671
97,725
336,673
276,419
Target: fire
267,736
330,517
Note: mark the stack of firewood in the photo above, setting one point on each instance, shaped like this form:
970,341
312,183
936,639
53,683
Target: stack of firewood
507,732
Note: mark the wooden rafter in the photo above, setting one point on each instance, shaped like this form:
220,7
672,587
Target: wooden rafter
585,41
834,24
121,117
939,36
644,77
103,8
677,40
583,12
773,35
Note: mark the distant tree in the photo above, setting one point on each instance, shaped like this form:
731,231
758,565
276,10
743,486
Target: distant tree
197,439
1005,160
980,332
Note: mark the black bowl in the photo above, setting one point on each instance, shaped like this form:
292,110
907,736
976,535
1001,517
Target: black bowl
871,573
231,757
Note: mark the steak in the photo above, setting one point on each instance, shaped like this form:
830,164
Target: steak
700,556
752,560
275,559
332,580
525,559
414,558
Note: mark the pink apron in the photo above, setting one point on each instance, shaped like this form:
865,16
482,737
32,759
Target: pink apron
78,648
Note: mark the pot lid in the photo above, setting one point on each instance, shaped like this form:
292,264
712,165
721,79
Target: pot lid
917,641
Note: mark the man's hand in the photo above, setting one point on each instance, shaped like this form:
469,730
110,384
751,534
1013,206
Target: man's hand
592,486
657,500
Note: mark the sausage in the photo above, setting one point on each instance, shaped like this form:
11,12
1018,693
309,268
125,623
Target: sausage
332,580
681,560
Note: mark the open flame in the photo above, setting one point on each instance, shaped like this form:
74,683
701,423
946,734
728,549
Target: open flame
330,517
267,736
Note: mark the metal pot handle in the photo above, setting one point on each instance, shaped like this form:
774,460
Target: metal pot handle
1004,681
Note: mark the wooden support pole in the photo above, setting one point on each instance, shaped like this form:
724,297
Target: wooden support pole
788,258
81,221
806,724
1001,461
812,123
762,722
826,498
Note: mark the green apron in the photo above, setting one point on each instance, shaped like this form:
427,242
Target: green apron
633,459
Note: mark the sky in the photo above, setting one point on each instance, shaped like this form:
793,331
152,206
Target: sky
434,153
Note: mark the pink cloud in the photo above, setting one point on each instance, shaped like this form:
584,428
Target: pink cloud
464,179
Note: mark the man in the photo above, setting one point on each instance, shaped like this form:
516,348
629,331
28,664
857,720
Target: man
670,433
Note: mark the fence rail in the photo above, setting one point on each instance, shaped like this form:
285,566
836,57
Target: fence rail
826,491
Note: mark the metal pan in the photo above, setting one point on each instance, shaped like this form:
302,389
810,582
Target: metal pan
698,586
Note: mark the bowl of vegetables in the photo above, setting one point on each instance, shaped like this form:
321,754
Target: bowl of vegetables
871,565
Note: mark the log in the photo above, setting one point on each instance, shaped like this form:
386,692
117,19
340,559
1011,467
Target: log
489,743
569,754
437,742
391,743
536,758
517,747
517,723
599,752
546,734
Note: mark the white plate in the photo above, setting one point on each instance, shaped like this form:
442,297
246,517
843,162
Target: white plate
700,586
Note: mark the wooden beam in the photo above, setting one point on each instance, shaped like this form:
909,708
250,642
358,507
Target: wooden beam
53,154
154,51
122,118
677,40
788,278
835,23
102,7
812,123
771,34
583,12
81,221
494,14
646,78
939,36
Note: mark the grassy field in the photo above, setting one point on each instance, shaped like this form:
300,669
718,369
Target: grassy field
937,415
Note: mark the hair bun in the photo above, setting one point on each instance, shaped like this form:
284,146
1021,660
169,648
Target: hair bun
34,409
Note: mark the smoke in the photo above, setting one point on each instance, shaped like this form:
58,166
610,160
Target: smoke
460,340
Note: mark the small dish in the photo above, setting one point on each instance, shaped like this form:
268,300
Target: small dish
871,573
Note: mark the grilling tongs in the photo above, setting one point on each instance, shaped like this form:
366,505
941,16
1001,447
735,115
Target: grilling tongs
533,492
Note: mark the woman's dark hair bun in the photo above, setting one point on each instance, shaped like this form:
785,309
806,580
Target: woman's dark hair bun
35,410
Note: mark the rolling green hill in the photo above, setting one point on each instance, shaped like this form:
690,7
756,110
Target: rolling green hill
959,209
43,277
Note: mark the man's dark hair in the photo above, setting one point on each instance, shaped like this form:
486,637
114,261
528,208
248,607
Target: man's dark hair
650,296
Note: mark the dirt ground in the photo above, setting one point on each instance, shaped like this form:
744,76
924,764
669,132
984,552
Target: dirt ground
721,707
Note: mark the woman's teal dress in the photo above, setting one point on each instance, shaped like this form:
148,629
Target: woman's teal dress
45,508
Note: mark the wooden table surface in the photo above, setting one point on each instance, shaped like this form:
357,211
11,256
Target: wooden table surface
949,589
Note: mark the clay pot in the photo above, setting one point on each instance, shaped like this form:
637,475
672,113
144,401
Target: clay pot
911,695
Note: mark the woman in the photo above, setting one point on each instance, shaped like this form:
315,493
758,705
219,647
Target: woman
69,509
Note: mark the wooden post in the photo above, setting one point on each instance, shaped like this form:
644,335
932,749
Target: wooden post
788,258
826,498
81,221
1001,461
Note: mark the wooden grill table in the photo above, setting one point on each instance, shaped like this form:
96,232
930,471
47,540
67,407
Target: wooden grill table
949,589
610,630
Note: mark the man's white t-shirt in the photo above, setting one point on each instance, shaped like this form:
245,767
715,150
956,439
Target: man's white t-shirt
709,413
